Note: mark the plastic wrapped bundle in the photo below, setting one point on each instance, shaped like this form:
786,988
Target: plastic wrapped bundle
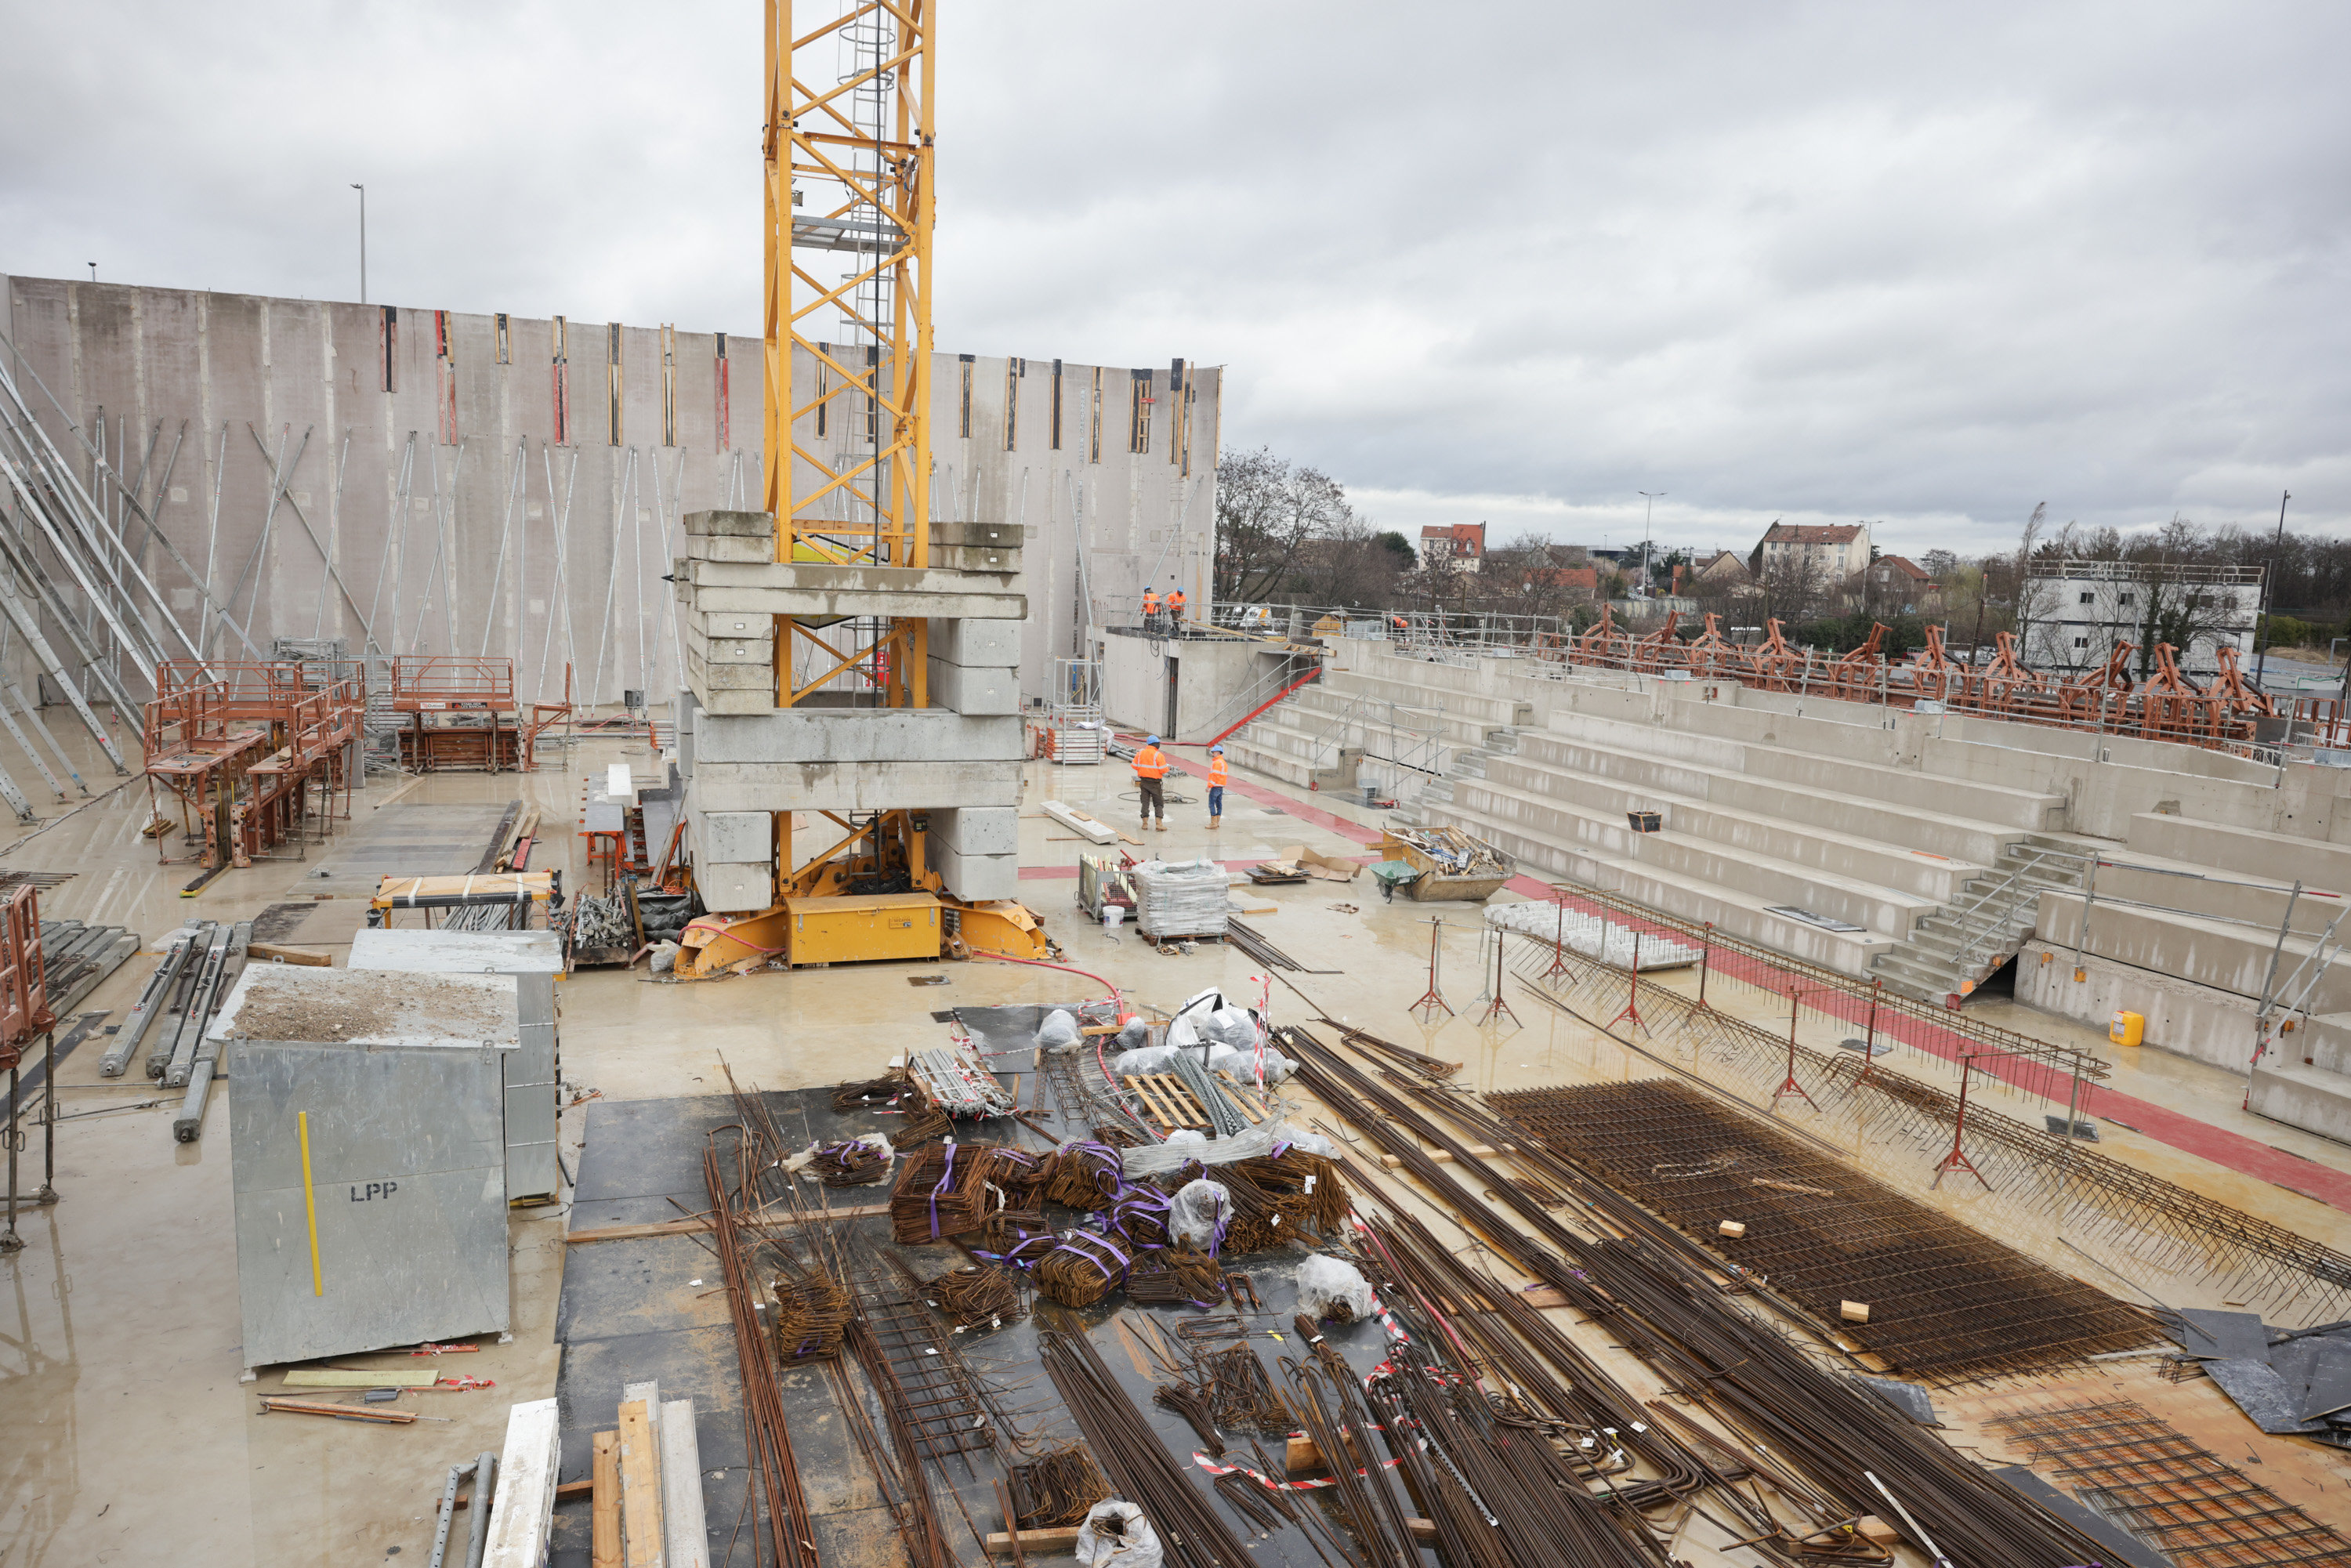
1188,899
1199,1213
1116,1535
1081,1270
1059,1031
1333,1289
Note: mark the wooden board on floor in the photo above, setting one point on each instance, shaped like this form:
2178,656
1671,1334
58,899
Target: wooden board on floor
1170,1103
643,1543
605,1492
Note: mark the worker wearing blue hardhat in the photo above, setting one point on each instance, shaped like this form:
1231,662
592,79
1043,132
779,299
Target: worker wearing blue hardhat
1216,771
1151,778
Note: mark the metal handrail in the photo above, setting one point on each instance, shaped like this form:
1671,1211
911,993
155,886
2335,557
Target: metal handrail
1960,960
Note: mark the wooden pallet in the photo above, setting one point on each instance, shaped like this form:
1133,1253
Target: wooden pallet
1168,1101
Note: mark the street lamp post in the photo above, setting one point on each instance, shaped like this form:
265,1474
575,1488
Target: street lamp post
362,191
1648,503
2263,636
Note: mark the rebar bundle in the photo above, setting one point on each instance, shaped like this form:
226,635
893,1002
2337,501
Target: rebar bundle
1180,1275
1313,1180
976,1293
1193,1531
871,1094
1082,1269
941,1194
1085,1176
811,1312
1055,1489
1659,1298
853,1163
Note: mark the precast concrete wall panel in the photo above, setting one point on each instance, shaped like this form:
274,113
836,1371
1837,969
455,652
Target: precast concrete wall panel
218,363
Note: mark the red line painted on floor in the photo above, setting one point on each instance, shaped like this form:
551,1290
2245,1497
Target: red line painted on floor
2232,1151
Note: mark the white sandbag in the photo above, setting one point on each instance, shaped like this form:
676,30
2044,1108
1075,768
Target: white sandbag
664,957
1134,1036
1187,1135
1332,1288
1059,1031
1250,1065
1231,1027
1197,1211
1116,1535
1138,1063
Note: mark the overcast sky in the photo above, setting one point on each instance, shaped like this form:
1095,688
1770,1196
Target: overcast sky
1926,265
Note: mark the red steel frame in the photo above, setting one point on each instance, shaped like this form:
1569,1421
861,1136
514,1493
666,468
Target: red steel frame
240,747
2167,706
428,686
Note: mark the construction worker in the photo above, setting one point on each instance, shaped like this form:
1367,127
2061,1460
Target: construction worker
1216,771
1175,608
1151,623
1151,775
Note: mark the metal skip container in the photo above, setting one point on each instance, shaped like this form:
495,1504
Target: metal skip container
369,1165
535,960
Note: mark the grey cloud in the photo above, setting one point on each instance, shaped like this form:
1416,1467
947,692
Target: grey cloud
1929,265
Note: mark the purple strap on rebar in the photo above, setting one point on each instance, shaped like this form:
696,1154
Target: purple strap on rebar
1070,1246
945,1176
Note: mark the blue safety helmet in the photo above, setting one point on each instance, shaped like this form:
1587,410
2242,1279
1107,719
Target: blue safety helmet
1150,740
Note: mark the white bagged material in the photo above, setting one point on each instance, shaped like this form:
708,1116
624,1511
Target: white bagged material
1332,1288
1250,1065
1116,1535
1187,1135
664,957
1188,899
1138,1063
1059,1031
1198,1211
1157,1159
1234,1028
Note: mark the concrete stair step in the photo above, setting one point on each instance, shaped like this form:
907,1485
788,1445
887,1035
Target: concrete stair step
1969,843
1893,865
2030,810
1736,913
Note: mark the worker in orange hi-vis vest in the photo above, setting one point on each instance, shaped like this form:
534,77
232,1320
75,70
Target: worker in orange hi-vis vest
1150,610
1176,608
1217,772
1151,773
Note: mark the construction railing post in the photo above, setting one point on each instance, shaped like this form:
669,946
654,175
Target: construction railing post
1958,1158
1633,998
1869,1036
1789,1085
1705,960
1433,998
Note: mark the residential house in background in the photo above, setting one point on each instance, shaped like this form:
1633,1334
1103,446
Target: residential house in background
1720,569
1460,547
1895,585
1837,550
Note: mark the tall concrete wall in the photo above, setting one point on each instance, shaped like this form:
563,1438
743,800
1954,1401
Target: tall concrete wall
620,430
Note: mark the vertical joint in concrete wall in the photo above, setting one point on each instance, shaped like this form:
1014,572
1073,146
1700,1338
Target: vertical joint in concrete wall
559,378
613,383
718,370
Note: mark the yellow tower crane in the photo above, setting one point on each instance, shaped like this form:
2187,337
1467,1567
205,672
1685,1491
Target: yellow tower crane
849,155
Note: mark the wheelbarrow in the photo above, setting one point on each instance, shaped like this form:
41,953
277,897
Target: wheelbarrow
1394,874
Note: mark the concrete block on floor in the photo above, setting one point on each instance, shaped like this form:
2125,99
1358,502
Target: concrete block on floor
977,876
734,889
974,691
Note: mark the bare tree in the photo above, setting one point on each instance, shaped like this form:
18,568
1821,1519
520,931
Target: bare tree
1266,509
1793,587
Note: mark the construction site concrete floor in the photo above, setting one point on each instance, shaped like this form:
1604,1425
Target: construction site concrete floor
127,1437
